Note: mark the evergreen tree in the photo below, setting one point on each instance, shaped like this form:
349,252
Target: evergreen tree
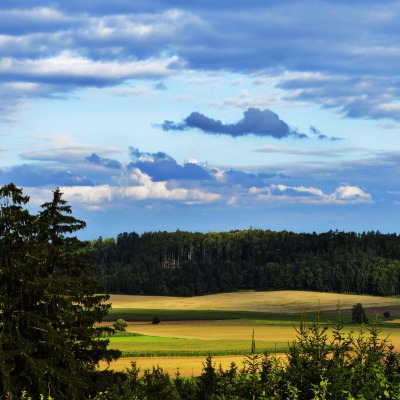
358,314
49,341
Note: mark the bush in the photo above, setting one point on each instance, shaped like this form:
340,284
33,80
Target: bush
156,320
358,314
120,325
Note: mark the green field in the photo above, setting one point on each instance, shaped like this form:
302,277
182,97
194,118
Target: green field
159,346
185,333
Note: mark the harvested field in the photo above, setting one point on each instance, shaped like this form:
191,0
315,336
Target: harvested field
188,366
286,301
223,324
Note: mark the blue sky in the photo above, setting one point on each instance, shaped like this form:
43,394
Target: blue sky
203,115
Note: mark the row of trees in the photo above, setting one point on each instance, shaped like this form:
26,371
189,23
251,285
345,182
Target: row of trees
192,263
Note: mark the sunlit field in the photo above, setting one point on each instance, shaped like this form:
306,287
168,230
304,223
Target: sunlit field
284,301
222,325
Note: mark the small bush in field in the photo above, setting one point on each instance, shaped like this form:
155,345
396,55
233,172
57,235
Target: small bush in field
156,320
120,325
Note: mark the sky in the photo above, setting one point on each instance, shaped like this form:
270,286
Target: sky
204,115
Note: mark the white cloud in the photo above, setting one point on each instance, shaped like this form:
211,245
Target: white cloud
351,194
36,13
140,188
310,195
140,26
73,65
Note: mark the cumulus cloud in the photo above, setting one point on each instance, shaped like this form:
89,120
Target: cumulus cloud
160,166
158,176
254,122
106,162
95,182
351,194
299,194
140,188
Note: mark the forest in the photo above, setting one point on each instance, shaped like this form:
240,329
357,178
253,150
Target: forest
192,263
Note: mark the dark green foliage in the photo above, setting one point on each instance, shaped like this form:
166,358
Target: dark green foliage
361,364
156,320
207,382
193,263
386,314
120,325
49,343
135,314
154,384
358,314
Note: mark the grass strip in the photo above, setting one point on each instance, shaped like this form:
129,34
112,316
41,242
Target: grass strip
124,334
154,346
183,353
145,315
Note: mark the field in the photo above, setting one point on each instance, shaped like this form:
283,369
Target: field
223,325
285,301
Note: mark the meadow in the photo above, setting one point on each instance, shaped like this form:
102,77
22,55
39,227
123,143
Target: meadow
222,325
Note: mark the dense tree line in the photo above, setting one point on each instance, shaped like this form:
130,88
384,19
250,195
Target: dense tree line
192,263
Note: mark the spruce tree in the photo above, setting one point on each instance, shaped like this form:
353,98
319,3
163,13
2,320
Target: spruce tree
358,314
49,306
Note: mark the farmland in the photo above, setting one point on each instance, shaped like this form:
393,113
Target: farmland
223,324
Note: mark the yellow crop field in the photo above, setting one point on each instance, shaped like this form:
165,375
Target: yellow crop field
221,336
187,366
285,301
217,330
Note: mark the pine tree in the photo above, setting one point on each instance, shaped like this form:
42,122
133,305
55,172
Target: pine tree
358,314
49,308
16,270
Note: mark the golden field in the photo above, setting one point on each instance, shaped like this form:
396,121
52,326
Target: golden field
235,332
285,301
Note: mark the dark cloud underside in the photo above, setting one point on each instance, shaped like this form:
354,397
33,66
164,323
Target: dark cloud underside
254,122
162,167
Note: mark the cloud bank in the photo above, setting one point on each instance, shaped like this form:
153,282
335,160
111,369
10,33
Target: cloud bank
324,57
97,181
161,193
